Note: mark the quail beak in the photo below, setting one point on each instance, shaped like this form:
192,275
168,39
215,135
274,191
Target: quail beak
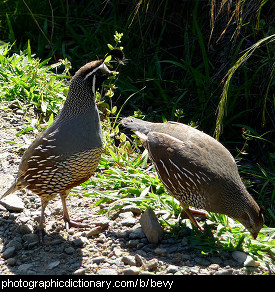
254,236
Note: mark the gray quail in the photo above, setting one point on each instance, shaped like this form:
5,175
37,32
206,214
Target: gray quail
67,153
198,171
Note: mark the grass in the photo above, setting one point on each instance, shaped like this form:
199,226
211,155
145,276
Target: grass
125,174
32,82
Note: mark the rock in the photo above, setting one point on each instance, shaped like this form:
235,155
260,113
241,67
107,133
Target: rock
239,256
11,261
172,269
214,267
80,242
136,233
152,264
9,252
133,243
107,272
13,203
95,231
202,262
140,261
14,243
250,262
80,271
99,260
131,271
244,259
224,272
30,240
178,257
53,264
129,260
69,250
25,229
128,221
24,268
117,252
151,226
161,251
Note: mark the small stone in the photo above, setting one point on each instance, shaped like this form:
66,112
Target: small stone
136,233
80,242
24,268
95,231
69,250
122,234
20,112
214,266
126,215
9,252
117,252
98,260
178,257
107,272
161,251
128,221
140,261
15,244
151,226
250,262
80,271
129,260
11,261
13,203
202,262
224,272
25,229
30,238
131,271
239,256
53,264
152,264
172,269
133,243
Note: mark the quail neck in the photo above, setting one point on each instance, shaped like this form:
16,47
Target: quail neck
81,98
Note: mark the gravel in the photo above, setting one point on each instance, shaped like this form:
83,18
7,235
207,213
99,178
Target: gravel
111,246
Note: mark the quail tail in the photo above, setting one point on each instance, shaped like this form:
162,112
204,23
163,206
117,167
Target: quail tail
14,187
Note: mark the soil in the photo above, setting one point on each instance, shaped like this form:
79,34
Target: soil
112,245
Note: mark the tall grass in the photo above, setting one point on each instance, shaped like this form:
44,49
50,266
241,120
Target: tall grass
228,77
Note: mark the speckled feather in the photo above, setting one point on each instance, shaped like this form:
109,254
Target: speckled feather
67,153
197,170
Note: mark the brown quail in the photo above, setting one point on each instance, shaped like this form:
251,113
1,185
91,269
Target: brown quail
67,153
198,171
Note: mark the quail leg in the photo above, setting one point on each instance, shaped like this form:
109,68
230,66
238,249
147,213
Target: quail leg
190,215
68,222
39,230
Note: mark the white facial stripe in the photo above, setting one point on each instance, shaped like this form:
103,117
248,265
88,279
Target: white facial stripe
93,88
102,67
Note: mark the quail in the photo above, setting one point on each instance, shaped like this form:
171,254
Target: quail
198,171
67,153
